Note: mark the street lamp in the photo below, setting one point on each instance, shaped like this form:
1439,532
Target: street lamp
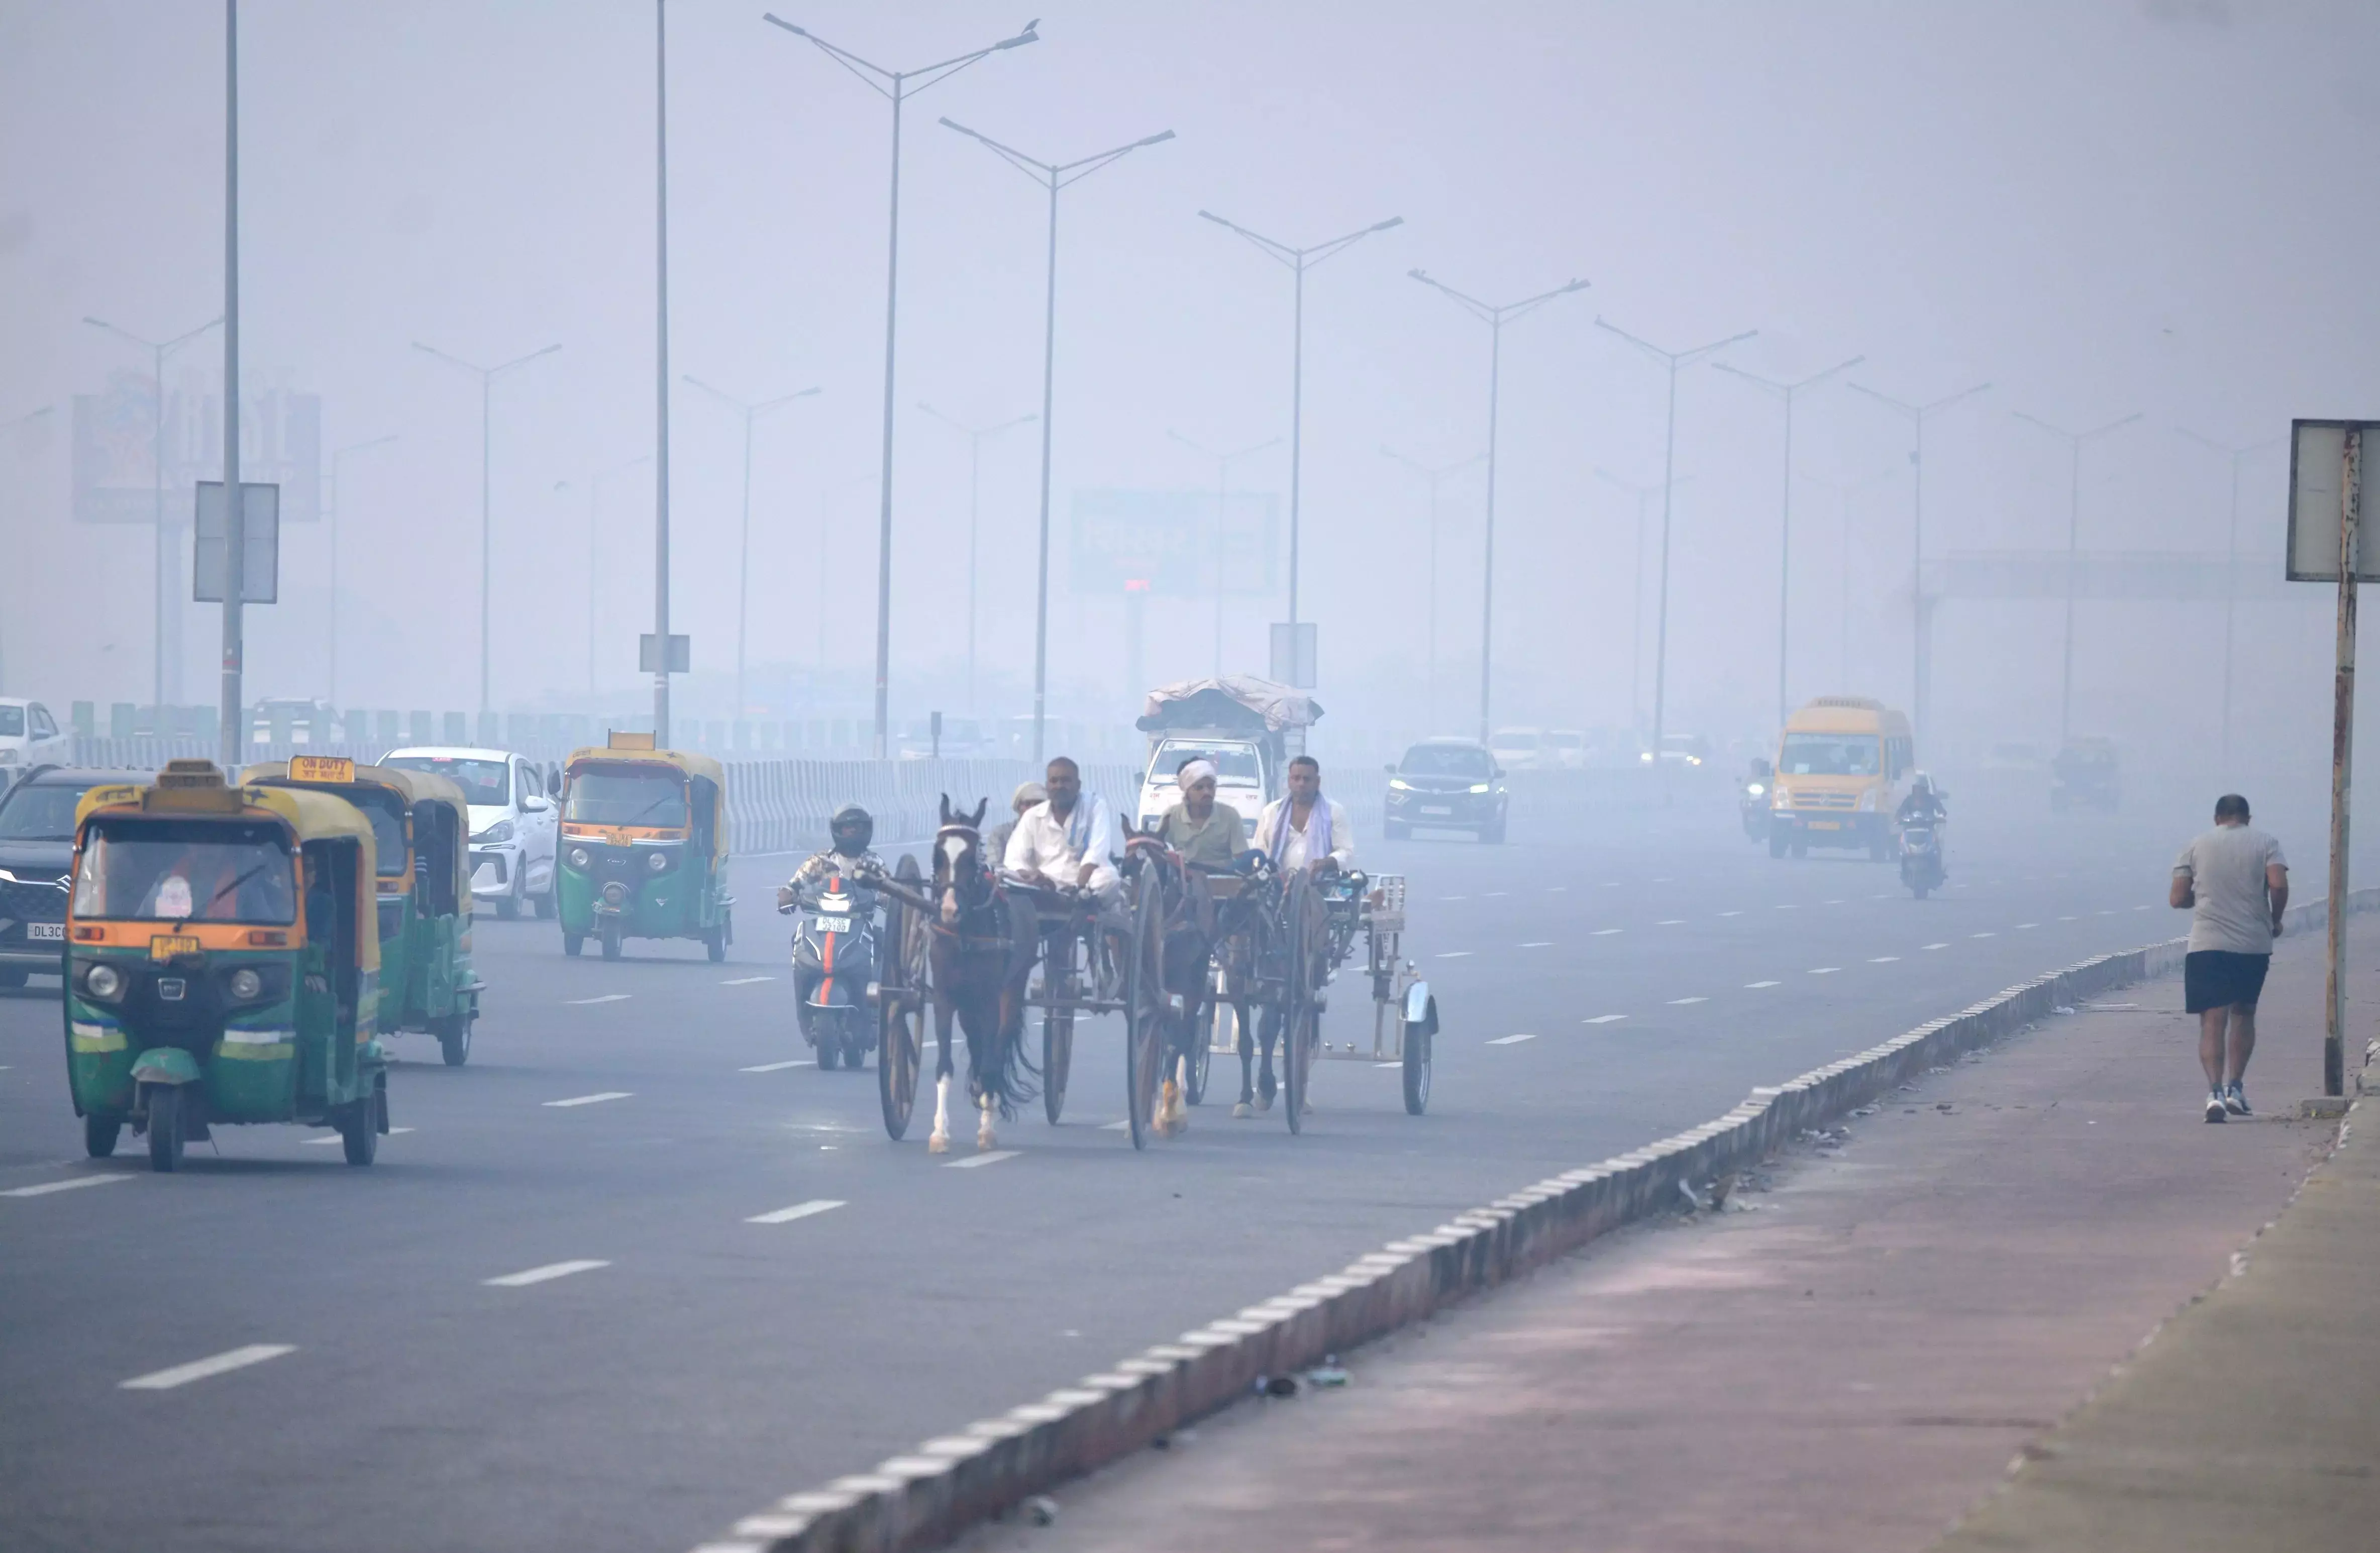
1918,415
975,436
896,87
158,350
25,420
1053,175
1786,391
1299,260
1495,316
2075,441
487,376
1434,477
1844,492
2238,455
1673,360
1224,462
332,520
744,534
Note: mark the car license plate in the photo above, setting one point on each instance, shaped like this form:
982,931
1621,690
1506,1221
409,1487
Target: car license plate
1826,825
1436,809
53,933
834,924
164,946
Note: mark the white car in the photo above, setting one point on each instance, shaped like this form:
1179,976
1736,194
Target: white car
30,736
1565,749
513,822
1517,749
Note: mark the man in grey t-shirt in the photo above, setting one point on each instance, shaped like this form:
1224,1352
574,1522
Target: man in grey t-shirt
2236,884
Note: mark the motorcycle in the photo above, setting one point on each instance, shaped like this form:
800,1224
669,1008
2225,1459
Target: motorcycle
1921,857
835,972
1753,802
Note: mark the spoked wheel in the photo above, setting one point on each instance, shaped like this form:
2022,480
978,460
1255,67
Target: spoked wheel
1417,1038
900,1012
1057,1025
1144,1007
1301,1022
1201,1052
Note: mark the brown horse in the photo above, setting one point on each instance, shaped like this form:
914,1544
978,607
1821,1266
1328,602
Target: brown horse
983,944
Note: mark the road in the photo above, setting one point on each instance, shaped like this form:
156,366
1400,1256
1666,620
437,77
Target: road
355,1360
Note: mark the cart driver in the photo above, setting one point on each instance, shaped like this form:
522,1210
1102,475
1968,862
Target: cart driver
848,858
1209,835
1062,842
1306,830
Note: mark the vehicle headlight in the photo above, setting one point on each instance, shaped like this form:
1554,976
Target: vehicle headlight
615,893
1479,788
103,982
657,861
245,985
1646,756
502,830
1400,784
1755,789
578,857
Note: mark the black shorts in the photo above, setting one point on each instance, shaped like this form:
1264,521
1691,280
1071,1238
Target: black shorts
2219,979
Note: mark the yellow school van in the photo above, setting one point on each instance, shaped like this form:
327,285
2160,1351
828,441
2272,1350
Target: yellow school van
1843,765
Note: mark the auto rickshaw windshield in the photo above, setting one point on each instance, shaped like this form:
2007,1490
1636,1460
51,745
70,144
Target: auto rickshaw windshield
182,871
621,794
387,811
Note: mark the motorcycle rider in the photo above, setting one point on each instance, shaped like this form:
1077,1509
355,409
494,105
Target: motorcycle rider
1923,804
847,857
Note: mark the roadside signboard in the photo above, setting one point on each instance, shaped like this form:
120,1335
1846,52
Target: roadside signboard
259,507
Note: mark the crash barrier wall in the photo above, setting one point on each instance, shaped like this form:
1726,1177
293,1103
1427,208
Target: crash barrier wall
925,1497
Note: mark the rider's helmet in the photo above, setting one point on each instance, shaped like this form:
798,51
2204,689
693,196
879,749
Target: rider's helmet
852,829
1921,786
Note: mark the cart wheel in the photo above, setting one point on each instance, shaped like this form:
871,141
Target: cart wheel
900,1024
1417,1043
455,1039
358,1132
1144,1008
99,1134
611,941
573,942
1057,1057
164,1128
1201,1052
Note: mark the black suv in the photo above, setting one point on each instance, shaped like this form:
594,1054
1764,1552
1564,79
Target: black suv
1453,785
36,850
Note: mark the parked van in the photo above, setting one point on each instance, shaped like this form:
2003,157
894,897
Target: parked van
1843,765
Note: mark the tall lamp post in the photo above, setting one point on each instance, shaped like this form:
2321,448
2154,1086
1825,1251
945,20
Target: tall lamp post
896,87
1918,415
338,456
2075,441
750,412
976,436
1672,359
1787,392
1299,260
25,420
1052,176
1224,462
1494,315
487,376
1643,494
2237,455
1844,491
1433,478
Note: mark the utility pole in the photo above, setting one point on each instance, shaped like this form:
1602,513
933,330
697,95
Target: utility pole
234,727
976,436
1434,477
1224,462
2075,441
750,412
661,656
2237,457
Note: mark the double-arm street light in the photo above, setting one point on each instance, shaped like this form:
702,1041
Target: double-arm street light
1434,477
1787,392
1052,176
487,376
1224,462
1673,359
1299,260
332,514
1918,415
976,436
750,412
1494,315
2237,455
896,87
2075,441
158,350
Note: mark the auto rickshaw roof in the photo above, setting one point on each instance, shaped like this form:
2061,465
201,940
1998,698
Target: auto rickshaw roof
413,787
686,762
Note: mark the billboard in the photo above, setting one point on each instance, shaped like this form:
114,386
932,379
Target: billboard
115,442
1171,542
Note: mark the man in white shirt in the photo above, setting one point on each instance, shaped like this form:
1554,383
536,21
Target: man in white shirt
1064,840
2235,884
1306,830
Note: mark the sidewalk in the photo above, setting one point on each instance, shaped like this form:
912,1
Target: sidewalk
1852,1362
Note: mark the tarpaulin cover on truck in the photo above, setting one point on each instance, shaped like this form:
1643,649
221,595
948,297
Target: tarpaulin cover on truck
1234,702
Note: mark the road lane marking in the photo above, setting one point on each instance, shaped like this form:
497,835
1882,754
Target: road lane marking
745,980
588,1099
1539,943
1556,889
2022,925
972,1160
1884,959
1606,932
1730,914
1788,908
778,1067
545,1274
1671,922
1115,1126
799,1210
1983,935
1937,946
1456,955
1606,1019
2139,908
1454,897
1826,970
1754,986
1676,1002
1884,897
199,1369
2104,914
1493,893
325,1142
1834,903
45,1188
1513,1040
606,998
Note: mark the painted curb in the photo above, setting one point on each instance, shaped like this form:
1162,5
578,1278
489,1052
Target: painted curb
945,1485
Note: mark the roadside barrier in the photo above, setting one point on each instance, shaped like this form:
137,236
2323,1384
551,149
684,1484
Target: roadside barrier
947,1484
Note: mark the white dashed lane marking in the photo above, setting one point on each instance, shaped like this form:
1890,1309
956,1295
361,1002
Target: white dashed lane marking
1513,1040
1456,955
325,1142
1606,932
1884,959
199,1369
606,998
2022,925
1671,922
1120,1126
1937,946
1730,914
1983,935
799,1210
1754,986
745,980
1826,970
993,1157
588,1099
1491,894
1540,943
69,1184
780,1067
1606,1019
1680,1002
545,1274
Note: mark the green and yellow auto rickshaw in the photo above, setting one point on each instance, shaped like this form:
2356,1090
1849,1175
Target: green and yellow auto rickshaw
223,962
421,825
643,847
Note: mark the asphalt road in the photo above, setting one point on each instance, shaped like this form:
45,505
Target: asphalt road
368,1372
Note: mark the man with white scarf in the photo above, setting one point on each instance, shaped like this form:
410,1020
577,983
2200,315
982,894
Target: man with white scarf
1208,834
1306,830
1062,842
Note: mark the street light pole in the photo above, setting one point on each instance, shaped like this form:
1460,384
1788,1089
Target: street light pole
1299,260
332,521
1844,491
1224,462
487,376
1052,176
750,412
1435,477
1787,392
1494,315
975,436
896,86
234,726
2075,441
1918,415
1672,360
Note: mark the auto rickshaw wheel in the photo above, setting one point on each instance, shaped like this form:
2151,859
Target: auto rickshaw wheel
573,942
611,941
715,943
359,1131
454,1039
99,1134
164,1128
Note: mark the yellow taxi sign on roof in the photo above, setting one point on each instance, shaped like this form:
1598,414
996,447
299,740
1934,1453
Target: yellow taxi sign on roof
620,740
322,768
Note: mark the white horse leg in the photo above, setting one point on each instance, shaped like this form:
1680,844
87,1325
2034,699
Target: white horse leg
940,1142
983,1138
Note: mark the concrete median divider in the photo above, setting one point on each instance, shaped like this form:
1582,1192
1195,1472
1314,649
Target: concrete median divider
925,1497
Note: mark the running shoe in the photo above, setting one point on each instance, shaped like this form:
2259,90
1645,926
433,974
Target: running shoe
2216,1110
2235,1100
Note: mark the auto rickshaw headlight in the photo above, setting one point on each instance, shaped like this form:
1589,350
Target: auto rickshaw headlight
103,982
578,857
245,986
657,861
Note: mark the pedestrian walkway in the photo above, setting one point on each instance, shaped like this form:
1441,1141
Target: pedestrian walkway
1850,1357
